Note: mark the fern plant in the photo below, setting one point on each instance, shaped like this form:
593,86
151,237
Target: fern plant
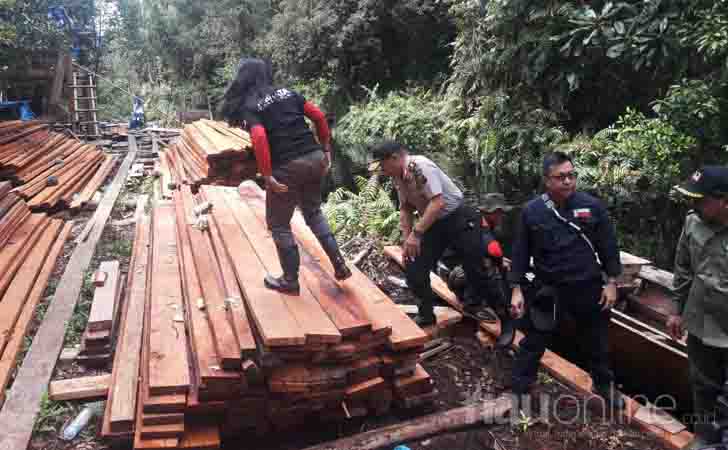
370,212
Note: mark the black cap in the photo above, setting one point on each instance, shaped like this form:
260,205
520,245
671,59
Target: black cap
381,151
710,180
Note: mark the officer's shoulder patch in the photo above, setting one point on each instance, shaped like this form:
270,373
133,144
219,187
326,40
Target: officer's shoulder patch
416,173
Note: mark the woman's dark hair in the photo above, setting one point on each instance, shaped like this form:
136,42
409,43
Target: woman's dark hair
253,80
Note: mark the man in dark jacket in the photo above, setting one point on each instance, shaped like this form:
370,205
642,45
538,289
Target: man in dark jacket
572,242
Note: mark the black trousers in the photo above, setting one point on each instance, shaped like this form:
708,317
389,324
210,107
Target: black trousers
580,300
461,230
708,367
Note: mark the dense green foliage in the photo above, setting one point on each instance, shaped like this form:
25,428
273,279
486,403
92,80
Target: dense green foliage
369,212
635,89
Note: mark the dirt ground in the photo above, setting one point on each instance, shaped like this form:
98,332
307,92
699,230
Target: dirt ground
462,374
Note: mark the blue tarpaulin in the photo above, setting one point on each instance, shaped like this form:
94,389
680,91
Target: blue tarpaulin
20,107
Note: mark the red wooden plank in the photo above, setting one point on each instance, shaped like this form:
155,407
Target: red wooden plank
168,370
312,319
213,296
268,308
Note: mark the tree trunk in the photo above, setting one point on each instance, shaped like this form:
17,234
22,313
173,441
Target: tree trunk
454,419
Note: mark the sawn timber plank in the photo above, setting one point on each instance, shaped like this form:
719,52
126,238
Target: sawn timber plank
312,319
168,370
274,321
18,416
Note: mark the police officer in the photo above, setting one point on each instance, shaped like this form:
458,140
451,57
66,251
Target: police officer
572,242
443,220
701,271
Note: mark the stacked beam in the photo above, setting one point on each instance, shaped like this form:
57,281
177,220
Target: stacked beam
96,340
29,247
209,152
212,347
51,170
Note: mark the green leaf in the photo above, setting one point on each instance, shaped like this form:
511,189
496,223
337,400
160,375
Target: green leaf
589,38
607,8
615,51
573,81
619,27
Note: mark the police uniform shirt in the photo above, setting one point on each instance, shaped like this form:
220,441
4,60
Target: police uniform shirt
560,254
421,181
701,280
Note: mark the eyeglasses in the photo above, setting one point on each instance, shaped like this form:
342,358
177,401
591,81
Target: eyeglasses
562,177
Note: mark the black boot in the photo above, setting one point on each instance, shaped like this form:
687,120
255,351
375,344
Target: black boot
341,271
425,312
288,282
424,320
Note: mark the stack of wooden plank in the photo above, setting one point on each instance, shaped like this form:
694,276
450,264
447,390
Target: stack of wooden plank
96,341
204,344
209,152
52,170
29,246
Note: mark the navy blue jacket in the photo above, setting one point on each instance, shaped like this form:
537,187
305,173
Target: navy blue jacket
560,254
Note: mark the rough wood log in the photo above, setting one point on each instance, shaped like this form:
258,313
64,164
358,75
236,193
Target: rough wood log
447,421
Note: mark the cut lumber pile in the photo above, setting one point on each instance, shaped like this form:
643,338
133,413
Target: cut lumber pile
51,171
29,247
209,152
96,340
204,343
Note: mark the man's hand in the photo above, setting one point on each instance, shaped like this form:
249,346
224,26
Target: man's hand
412,246
675,327
271,184
609,296
518,307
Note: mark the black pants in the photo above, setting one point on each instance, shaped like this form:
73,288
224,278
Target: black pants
580,300
708,367
461,230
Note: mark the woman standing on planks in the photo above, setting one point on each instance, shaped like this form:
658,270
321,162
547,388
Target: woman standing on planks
292,163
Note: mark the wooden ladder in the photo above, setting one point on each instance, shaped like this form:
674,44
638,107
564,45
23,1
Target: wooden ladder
85,121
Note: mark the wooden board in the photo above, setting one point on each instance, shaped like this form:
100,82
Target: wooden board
13,302
17,340
103,306
314,322
83,388
23,402
234,297
213,294
267,308
201,436
378,307
162,419
168,366
347,314
413,385
128,352
206,367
